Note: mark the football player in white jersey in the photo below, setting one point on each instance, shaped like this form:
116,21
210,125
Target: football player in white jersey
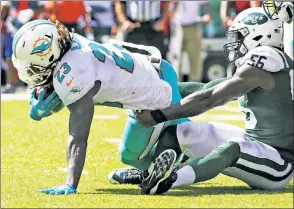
261,155
85,73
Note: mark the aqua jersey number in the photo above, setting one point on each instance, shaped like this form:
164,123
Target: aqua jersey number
125,63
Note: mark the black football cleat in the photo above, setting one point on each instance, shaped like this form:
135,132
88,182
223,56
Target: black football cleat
126,176
162,176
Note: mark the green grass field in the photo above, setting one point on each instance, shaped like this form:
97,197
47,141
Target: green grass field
33,157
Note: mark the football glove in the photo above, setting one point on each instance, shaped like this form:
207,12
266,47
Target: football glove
60,190
43,107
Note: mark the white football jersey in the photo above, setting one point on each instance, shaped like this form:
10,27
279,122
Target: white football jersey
128,80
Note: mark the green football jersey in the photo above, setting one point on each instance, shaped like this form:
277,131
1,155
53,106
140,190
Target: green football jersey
269,113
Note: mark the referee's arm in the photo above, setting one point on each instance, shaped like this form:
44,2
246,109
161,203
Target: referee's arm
159,25
120,11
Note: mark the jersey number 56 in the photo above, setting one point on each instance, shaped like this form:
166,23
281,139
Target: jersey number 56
257,61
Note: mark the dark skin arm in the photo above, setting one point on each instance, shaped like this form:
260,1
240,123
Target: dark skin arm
244,80
81,115
187,88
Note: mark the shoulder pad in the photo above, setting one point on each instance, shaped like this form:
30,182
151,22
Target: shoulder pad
264,57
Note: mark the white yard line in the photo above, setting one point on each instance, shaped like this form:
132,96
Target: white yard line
228,108
106,117
65,170
14,97
113,140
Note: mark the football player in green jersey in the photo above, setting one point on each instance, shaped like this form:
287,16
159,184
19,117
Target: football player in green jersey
262,154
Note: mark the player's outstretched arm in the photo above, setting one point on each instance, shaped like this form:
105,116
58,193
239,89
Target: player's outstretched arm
81,115
79,127
245,79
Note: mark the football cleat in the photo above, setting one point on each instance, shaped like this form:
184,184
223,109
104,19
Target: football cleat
127,176
162,176
166,185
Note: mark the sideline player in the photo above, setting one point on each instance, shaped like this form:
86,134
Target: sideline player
85,73
261,155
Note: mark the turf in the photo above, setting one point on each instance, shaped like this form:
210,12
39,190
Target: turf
33,155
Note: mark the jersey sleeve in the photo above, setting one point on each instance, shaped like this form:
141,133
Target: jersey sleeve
72,80
266,58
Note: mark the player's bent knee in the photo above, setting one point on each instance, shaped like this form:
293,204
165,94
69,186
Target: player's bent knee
197,139
192,132
227,132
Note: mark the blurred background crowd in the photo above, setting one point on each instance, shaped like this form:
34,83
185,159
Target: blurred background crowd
189,34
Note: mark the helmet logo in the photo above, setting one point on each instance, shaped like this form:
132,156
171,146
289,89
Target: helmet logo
42,46
255,18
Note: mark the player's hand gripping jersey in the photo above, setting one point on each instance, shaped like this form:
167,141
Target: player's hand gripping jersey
269,113
128,80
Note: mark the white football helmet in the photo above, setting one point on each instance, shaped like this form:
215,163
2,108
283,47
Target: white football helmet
250,29
37,49
279,10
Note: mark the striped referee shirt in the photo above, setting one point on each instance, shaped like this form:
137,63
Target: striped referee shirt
143,11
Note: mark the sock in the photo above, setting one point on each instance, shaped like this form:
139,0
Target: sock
186,176
216,162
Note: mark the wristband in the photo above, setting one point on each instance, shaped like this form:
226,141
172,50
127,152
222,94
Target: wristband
158,116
